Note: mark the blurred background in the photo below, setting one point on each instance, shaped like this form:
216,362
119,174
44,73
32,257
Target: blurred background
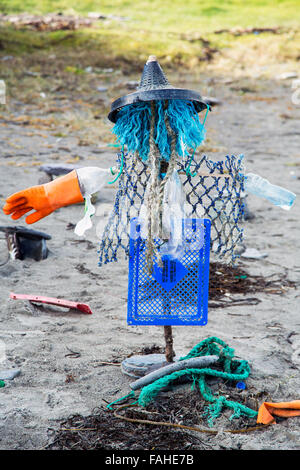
68,60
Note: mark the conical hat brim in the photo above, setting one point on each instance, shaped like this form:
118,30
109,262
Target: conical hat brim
158,94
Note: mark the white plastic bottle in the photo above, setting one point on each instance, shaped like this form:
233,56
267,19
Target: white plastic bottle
92,179
259,186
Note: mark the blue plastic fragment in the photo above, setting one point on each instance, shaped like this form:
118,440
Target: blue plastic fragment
241,385
177,293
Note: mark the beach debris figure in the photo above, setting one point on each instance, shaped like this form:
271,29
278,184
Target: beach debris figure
159,182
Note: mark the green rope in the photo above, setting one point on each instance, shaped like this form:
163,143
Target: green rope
188,170
113,145
121,167
207,109
233,370
131,394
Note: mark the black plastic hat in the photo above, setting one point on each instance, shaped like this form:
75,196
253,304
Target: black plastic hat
155,86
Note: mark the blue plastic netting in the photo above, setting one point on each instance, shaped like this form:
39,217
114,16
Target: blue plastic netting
216,197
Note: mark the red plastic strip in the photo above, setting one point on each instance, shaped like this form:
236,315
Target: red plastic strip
53,301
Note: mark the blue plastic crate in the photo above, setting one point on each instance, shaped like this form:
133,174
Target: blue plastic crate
177,293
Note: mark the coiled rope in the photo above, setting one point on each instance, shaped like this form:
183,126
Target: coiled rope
233,370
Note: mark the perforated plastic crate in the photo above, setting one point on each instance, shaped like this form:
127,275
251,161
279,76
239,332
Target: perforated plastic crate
177,293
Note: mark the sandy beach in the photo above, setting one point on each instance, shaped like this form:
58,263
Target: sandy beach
262,124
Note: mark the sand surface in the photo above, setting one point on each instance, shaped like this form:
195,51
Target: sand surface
263,125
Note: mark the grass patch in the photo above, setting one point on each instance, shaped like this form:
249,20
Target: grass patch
179,33
173,15
184,35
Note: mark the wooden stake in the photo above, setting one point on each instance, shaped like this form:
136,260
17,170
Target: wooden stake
169,352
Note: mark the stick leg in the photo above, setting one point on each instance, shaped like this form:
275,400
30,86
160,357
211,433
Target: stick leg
169,343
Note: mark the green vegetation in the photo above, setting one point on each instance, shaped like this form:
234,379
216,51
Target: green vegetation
174,15
59,71
192,33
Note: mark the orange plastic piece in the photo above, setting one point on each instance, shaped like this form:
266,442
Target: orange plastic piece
283,409
44,198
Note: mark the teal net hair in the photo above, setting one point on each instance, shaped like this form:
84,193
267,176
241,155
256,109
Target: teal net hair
133,127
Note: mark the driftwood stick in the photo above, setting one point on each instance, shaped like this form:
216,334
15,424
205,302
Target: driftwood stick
169,343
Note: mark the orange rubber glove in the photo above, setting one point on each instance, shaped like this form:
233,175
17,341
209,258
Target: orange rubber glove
44,199
283,409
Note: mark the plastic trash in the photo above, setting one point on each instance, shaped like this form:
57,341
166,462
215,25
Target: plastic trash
259,186
9,374
85,223
173,215
252,253
172,218
91,179
52,301
241,385
177,292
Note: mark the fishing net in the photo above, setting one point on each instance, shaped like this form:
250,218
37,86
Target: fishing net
213,190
